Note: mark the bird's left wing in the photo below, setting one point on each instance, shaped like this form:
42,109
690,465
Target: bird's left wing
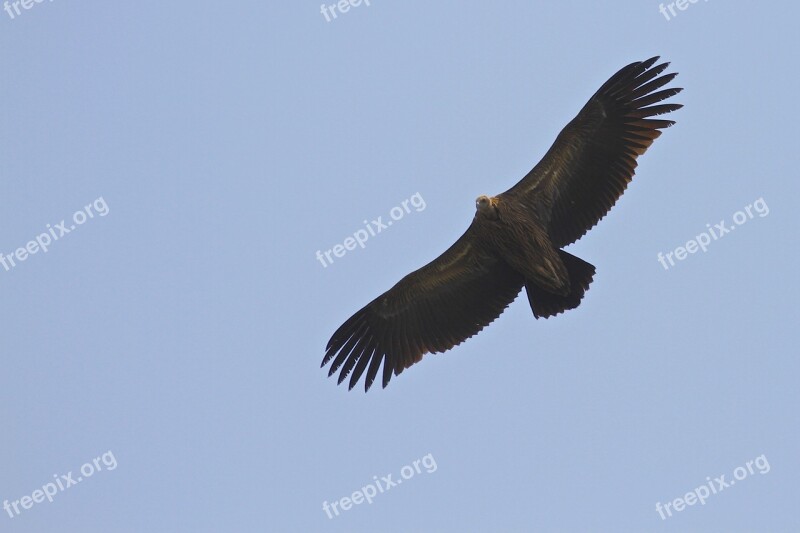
593,158
430,310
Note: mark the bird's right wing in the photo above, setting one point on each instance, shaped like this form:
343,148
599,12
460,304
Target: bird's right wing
430,310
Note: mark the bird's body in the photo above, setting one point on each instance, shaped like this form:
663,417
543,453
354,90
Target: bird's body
515,238
512,232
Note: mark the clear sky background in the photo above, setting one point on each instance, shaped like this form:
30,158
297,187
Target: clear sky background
183,331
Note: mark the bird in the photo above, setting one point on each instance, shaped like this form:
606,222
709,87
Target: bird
515,239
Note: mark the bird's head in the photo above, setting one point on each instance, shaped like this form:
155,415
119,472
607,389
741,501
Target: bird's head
486,206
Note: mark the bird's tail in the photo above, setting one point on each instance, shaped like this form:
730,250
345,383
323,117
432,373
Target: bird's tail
545,304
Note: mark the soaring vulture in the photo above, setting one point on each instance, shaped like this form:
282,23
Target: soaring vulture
515,238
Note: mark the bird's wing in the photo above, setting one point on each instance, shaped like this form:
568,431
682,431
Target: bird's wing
593,158
430,310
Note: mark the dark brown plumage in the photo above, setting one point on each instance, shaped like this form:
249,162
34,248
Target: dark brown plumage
515,238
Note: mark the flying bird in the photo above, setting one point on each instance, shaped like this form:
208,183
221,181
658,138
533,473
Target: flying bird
515,238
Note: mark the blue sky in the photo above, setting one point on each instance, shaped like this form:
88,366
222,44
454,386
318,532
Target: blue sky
171,341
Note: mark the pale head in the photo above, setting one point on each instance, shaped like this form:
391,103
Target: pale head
486,206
